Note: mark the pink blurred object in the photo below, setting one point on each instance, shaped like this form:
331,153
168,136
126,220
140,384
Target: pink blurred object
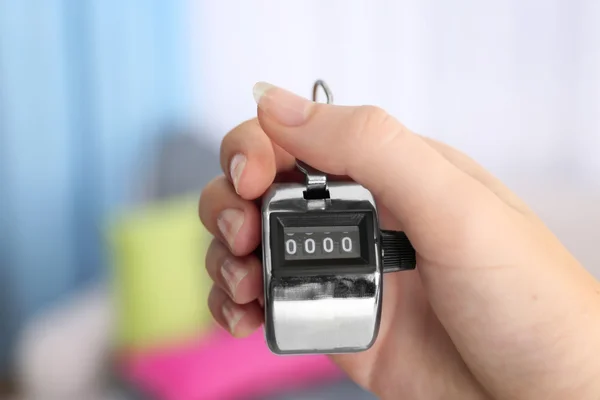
224,368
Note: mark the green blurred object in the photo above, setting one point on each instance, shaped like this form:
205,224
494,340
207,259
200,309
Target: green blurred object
161,284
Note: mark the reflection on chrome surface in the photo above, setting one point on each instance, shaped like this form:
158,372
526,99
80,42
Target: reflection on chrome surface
323,287
325,312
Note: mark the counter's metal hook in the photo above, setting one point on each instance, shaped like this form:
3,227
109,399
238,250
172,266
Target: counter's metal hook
316,181
323,85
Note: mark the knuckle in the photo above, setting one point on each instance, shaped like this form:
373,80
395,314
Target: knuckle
370,129
207,195
214,298
215,184
370,114
371,123
214,254
236,139
239,131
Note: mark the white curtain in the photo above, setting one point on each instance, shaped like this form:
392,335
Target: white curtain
514,83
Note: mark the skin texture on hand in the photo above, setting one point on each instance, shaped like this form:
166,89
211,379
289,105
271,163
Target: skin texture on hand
497,307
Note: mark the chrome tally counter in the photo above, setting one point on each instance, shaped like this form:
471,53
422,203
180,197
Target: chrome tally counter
323,260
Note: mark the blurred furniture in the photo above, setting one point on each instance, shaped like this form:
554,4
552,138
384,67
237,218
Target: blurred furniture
85,89
220,367
160,285
64,353
339,390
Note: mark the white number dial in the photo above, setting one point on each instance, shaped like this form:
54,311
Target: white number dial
347,244
290,246
328,245
309,246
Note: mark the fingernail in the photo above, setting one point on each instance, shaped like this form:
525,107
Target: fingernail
233,274
232,315
229,222
286,107
236,168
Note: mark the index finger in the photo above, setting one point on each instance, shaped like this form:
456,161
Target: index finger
251,160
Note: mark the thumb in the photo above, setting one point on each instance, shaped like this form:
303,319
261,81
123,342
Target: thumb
431,198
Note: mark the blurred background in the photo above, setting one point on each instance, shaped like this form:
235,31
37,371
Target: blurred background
111,114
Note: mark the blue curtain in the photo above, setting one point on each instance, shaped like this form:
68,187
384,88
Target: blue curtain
85,87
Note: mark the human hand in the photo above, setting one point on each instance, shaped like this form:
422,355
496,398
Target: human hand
497,307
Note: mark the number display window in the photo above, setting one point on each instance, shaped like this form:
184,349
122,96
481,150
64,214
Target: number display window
321,242
327,241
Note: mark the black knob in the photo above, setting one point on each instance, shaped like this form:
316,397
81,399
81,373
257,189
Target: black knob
398,252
